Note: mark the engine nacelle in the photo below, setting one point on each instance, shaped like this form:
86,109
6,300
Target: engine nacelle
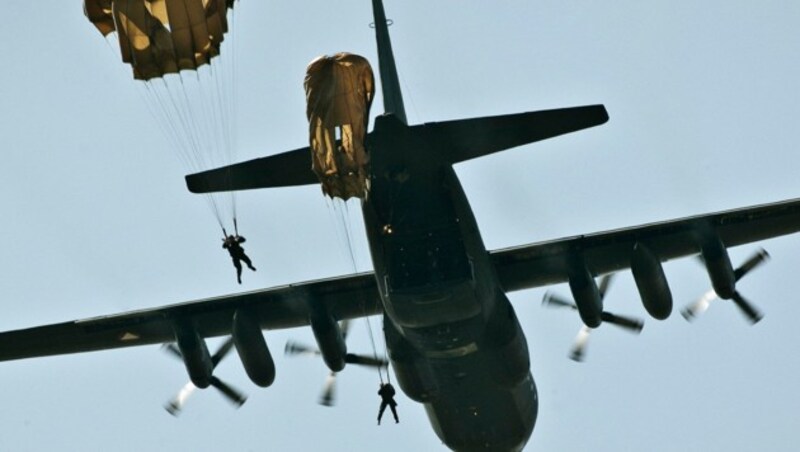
651,282
252,348
329,339
194,353
586,294
718,265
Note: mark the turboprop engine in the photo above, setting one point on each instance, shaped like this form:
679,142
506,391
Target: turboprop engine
194,352
586,294
719,267
724,277
329,339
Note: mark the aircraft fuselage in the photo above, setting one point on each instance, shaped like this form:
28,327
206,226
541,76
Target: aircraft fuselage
454,340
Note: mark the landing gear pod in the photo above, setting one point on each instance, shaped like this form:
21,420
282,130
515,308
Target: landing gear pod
252,348
651,282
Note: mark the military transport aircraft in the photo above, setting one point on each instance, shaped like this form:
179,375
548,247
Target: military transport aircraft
454,341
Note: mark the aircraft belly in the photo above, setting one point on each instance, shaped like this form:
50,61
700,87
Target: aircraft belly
479,393
433,305
479,417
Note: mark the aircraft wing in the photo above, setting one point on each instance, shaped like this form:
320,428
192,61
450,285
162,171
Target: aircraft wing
356,296
545,263
280,307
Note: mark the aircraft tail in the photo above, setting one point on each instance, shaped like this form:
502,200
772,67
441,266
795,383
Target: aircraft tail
390,82
288,169
466,139
458,141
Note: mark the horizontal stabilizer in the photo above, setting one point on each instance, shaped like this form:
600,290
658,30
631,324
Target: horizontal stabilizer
282,170
466,139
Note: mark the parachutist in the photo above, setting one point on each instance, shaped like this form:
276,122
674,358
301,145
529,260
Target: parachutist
387,398
232,243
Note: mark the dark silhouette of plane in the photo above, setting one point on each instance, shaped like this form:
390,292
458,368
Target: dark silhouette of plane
453,338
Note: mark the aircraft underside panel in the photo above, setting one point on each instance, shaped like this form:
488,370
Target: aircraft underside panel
485,419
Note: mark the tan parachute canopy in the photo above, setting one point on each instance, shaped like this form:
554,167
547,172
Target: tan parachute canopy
339,91
158,37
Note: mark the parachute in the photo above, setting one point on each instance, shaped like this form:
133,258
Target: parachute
170,45
158,37
339,92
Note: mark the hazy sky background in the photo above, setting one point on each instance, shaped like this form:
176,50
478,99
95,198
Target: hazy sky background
704,99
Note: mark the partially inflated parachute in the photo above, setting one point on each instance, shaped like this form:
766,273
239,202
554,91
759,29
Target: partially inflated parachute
175,50
158,37
339,91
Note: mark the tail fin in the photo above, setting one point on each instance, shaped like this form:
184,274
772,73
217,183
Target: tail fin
390,83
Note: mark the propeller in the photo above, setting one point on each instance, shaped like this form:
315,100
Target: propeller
578,350
175,405
327,396
753,315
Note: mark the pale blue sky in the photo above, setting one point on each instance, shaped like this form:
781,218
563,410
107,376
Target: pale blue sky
704,99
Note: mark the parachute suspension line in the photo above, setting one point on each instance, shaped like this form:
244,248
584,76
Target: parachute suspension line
191,123
348,232
223,104
340,223
172,118
338,209
375,349
206,122
199,129
220,102
184,116
349,236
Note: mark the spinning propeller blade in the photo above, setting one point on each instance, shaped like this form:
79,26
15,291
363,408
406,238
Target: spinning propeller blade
552,300
579,344
748,309
700,305
295,348
578,350
234,396
632,324
362,360
175,405
328,395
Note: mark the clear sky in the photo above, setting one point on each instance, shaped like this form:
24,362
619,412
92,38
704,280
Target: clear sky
704,99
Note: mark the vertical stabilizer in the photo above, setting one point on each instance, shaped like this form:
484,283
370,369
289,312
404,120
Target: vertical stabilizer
390,83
